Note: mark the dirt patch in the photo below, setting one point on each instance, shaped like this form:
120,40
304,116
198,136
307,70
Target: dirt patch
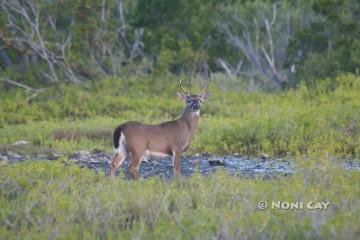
77,134
205,164
242,166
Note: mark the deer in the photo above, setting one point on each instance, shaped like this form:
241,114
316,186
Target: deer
167,138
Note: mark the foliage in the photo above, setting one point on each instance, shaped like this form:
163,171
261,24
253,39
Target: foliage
138,50
283,43
329,45
259,33
42,199
294,122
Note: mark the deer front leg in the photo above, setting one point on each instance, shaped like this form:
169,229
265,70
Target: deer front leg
134,166
176,164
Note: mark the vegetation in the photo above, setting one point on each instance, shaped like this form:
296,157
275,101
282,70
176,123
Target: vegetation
41,200
294,122
275,44
284,81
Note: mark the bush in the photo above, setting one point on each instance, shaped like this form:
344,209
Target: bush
42,199
294,122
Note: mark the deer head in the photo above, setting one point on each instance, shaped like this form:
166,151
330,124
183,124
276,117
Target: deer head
193,101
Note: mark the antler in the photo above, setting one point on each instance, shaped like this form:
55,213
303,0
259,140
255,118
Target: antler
182,88
205,88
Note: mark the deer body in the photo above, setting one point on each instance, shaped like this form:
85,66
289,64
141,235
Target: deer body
167,138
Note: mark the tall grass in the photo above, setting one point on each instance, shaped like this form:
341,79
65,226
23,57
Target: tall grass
294,122
48,200
55,200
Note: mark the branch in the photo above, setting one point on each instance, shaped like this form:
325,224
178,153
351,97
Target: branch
19,84
36,92
274,14
227,67
25,23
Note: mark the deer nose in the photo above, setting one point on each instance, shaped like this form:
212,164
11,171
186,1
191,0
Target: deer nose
197,107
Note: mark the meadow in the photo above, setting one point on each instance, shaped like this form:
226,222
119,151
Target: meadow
295,122
318,128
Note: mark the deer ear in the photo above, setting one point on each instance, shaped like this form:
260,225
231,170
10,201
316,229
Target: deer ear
205,95
181,96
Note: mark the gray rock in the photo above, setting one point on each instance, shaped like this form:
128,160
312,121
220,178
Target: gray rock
20,142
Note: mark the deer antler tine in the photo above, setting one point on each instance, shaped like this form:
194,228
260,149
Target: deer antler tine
205,88
182,88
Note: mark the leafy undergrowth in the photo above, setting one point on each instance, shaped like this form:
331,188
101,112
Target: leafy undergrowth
49,200
325,121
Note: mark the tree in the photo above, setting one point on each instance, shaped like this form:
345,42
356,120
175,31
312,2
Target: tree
177,33
260,33
68,40
330,44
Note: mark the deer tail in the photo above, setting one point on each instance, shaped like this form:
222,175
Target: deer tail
116,137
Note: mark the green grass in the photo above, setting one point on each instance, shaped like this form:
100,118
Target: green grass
48,200
52,200
290,123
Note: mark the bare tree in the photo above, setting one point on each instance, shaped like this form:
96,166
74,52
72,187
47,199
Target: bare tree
108,48
27,30
4,57
34,92
263,53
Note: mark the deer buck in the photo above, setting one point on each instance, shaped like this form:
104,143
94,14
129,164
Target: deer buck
167,138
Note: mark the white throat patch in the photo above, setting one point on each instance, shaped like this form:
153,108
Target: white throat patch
196,112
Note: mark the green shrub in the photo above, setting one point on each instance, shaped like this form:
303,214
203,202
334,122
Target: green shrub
294,122
43,199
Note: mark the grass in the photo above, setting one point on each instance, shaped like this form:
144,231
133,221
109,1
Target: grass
291,123
55,200
48,200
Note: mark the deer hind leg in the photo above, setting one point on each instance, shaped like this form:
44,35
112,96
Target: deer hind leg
119,157
134,165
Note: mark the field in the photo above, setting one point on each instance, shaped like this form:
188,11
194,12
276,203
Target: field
297,122
318,129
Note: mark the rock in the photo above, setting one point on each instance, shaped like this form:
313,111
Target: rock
216,162
94,160
42,156
206,154
195,162
95,151
55,156
81,154
238,155
264,157
20,142
3,157
14,156
154,163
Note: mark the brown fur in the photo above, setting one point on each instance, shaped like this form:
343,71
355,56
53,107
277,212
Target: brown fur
171,138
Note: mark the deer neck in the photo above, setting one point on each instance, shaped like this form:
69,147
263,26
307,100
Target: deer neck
190,119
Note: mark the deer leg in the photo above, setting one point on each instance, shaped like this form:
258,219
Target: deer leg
116,162
134,166
176,164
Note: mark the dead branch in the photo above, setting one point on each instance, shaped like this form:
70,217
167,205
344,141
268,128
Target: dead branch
24,21
36,92
260,54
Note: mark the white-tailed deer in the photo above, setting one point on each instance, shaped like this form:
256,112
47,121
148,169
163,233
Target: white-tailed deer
167,138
